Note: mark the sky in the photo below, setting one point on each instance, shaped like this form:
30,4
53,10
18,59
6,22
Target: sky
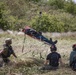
74,1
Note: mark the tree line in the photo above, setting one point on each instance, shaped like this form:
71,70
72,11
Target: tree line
56,15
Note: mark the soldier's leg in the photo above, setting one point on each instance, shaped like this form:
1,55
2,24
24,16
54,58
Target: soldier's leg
6,60
1,62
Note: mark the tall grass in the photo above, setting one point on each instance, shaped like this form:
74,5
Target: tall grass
29,61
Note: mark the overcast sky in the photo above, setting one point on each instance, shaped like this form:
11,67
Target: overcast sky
74,1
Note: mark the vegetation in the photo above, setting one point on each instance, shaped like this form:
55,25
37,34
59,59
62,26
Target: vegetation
57,15
29,62
45,16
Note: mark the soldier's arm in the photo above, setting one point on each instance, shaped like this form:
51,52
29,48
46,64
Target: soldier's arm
14,54
46,62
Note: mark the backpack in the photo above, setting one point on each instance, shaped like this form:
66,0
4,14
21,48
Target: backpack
74,65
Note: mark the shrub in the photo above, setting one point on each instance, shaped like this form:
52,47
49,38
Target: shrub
46,23
7,21
60,22
41,23
57,3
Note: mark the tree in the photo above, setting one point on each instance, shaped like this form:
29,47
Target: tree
57,3
47,23
7,21
70,7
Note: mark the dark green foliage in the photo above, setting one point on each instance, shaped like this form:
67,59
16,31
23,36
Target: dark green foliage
41,23
3,21
17,7
59,4
54,23
70,7
7,21
47,23
60,15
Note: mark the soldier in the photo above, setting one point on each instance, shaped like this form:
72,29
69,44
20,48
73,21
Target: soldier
52,59
7,51
73,58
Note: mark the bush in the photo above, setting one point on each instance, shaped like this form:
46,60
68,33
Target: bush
46,23
7,21
57,3
70,7
40,23
60,22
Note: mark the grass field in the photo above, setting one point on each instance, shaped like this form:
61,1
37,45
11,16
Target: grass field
29,61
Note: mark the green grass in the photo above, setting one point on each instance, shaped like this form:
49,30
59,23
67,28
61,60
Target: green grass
29,61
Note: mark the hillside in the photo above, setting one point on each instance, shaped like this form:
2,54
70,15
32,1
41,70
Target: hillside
29,61
54,18
58,16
